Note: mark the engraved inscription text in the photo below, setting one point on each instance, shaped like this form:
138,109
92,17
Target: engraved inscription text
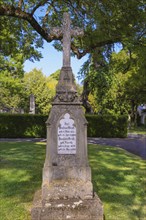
66,135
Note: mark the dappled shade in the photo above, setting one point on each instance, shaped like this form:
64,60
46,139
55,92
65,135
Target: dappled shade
118,178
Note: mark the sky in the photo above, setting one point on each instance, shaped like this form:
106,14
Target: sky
52,61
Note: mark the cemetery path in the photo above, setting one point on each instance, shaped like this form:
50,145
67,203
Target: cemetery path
135,144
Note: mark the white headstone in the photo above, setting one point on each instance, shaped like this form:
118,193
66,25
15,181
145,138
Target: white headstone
66,135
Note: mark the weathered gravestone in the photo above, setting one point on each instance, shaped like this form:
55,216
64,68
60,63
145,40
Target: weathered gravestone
67,191
32,104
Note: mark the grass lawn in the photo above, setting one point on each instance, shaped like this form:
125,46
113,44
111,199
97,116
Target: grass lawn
138,130
118,178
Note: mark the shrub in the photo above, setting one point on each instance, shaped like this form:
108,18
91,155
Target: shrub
15,125
107,126
26,125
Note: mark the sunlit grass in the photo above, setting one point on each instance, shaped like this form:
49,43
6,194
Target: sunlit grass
138,130
118,179
21,174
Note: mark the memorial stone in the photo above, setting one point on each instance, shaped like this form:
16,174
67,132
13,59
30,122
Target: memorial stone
32,104
67,190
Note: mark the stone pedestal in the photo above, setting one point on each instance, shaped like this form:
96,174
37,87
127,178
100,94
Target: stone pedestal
67,190
63,209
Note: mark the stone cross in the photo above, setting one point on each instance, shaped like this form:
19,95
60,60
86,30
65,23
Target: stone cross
67,190
66,32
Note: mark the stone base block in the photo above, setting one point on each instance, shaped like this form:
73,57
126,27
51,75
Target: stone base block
66,189
63,209
66,172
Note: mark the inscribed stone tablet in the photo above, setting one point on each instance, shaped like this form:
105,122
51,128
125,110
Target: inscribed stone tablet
66,135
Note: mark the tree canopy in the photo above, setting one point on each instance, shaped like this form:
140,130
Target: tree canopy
25,25
42,87
119,87
104,22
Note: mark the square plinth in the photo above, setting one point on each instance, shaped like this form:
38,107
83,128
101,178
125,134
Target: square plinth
62,209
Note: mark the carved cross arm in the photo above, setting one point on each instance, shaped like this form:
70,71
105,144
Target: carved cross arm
56,32
77,32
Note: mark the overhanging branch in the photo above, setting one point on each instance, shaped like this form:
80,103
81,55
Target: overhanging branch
18,13
10,10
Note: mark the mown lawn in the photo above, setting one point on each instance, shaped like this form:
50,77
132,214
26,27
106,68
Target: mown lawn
118,178
138,130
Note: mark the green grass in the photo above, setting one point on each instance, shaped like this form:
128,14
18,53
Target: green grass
118,179
138,130
21,171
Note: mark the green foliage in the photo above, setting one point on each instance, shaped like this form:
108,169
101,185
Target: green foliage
55,75
15,90
25,24
37,84
12,94
12,66
120,86
107,126
52,81
34,126
17,126
104,23
18,42
128,69
17,38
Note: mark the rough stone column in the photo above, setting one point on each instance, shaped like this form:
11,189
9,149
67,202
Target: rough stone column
67,190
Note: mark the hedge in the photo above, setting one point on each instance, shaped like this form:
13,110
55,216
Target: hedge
107,126
26,125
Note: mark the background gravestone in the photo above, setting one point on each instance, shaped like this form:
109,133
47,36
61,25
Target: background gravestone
32,104
67,191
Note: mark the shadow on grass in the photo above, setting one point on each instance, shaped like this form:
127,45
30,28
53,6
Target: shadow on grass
118,179
21,169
